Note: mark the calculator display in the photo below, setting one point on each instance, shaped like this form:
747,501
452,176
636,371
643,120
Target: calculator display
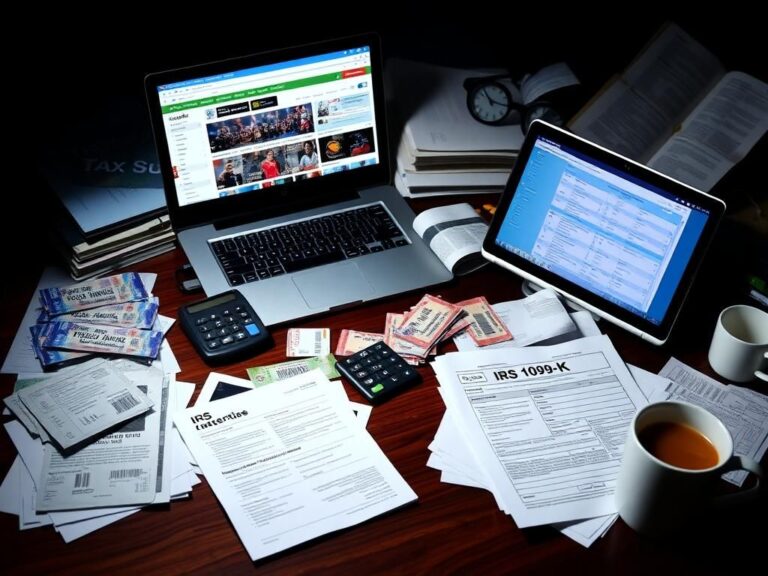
211,302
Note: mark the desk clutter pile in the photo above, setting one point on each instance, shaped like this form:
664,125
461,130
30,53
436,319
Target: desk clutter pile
93,429
541,427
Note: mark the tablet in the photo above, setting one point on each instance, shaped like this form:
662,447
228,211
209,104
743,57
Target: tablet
607,233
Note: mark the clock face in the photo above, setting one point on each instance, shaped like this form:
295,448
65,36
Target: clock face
489,103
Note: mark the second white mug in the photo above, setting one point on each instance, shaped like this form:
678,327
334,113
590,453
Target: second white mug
739,349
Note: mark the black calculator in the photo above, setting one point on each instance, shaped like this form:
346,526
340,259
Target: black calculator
378,372
224,327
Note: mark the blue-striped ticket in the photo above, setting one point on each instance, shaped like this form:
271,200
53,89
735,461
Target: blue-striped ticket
104,339
141,314
93,293
51,358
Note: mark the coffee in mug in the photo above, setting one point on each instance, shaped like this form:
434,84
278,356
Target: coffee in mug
679,445
674,456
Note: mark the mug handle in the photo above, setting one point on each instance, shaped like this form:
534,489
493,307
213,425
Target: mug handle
760,374
737,462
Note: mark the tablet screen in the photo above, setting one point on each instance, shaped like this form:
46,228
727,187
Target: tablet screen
612,235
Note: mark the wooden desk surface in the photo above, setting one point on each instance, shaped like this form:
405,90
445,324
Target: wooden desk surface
452,529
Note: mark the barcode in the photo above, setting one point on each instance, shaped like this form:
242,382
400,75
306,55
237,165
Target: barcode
82,479
483,324
289,371
124,402
125,473
318,341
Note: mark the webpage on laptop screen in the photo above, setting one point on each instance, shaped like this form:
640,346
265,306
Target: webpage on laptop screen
254,128
601,229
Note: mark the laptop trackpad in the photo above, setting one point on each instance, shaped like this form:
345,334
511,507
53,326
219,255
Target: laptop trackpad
333,285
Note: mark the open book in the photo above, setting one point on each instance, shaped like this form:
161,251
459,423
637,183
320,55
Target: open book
455,233
676,109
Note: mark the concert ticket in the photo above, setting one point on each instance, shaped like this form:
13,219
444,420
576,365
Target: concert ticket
93,293
88,338
139,314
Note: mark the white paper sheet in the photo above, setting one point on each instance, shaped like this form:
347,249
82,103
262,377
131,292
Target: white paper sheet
298,433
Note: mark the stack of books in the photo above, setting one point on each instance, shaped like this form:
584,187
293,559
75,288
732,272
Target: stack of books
103,171
443,150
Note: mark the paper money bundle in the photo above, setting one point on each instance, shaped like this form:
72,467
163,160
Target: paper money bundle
415,334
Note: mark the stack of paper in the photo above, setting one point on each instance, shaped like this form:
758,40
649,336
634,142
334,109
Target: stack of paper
442,149
541,428
88,259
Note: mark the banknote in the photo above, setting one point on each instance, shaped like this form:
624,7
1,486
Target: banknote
427,321
93,293
351,341
263,375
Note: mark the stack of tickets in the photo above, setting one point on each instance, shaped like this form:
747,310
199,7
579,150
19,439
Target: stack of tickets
415,334
113,316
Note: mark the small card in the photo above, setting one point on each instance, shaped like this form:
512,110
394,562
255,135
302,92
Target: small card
263,375
352,341
485,326
308,342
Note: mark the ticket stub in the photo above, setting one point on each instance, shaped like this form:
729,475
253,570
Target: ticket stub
263,375
352,341
485,326
105,339
93,293
308,342
427,321
141,314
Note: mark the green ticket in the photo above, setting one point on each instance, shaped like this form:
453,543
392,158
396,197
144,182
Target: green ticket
263,375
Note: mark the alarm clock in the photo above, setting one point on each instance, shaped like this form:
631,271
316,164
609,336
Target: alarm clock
491,102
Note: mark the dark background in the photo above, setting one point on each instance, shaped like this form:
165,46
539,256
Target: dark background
98,60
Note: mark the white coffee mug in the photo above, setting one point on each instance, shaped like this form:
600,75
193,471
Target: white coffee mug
657,498
739,349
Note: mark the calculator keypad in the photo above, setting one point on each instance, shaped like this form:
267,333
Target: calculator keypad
220,328
378,371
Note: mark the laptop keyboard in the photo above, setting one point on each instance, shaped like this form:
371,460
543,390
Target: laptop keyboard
261,254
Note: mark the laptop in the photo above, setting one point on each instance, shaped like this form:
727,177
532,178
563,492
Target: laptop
276,174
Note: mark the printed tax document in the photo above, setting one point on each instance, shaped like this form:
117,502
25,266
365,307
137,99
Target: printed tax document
289,463
546,424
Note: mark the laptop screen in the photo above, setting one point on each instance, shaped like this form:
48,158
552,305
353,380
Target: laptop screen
249,126
622,238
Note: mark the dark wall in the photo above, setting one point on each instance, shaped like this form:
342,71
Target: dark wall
100,58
